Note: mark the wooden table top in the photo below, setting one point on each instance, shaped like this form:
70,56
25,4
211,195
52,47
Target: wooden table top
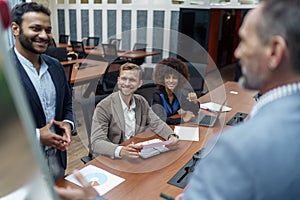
90,69
147,178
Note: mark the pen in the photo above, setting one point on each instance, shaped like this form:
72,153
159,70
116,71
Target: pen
166,196
210,110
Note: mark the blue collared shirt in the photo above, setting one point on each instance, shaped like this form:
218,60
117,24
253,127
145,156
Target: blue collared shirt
43,85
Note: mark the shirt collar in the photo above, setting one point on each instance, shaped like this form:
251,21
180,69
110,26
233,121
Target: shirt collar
124,106
27,64
275,94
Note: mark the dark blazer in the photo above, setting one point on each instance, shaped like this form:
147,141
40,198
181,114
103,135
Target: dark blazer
63,95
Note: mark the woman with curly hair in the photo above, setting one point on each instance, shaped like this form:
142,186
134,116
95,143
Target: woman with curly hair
171,77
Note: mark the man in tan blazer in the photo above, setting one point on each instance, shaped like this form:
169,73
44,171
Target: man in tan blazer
124,114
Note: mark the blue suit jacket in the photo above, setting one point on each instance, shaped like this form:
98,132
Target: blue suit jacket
258,159
63,94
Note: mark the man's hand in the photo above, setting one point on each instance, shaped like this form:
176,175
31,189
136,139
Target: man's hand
66,130
131,151
87,192
48,138
175,140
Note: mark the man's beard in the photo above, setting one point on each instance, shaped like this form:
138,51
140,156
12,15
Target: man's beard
27,43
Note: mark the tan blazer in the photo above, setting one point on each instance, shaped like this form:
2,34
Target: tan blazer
108,125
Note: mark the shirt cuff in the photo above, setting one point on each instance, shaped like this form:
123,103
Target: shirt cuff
38,134
117,152
70,122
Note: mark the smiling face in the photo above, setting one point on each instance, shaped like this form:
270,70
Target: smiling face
171,81
128,82
34,34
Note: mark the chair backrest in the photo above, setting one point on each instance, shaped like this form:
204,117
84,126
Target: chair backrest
60,53
63,39
116,42
140,46
147,90
52,43
110,77
197,73
110,52
78,47
88,106
92,41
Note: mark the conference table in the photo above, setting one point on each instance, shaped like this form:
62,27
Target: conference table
84,70
147,178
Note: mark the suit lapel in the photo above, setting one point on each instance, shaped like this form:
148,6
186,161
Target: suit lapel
118,112
28,86
56,79
138,115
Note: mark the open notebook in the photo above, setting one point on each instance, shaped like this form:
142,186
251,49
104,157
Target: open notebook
207,120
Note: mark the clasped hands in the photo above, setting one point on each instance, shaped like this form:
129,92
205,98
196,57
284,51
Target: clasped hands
60,142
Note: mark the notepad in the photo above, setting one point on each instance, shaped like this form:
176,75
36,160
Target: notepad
187,133
153,147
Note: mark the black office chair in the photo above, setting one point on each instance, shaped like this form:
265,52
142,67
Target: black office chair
139,47
147,90
63,38
110,52
92,41
116,42
88,106
197,73
60,53
107,84
78,47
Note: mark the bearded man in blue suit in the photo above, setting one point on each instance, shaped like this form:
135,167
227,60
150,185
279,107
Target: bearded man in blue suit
44,81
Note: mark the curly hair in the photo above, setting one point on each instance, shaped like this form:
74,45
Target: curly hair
169,66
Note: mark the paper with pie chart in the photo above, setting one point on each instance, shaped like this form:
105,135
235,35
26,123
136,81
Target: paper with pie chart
100,179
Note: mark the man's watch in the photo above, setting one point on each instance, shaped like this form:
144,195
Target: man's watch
173,134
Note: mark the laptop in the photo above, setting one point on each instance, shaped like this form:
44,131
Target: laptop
207,120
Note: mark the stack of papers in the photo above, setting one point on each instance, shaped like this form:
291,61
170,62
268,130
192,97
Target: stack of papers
100,179
214,107
153,147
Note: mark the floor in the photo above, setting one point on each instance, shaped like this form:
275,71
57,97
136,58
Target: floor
78,146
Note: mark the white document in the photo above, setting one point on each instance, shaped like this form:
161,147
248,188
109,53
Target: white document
100,179
187,133
153,147
214,107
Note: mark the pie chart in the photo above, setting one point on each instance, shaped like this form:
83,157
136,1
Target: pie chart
96,179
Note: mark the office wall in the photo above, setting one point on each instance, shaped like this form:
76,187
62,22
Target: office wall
145,21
